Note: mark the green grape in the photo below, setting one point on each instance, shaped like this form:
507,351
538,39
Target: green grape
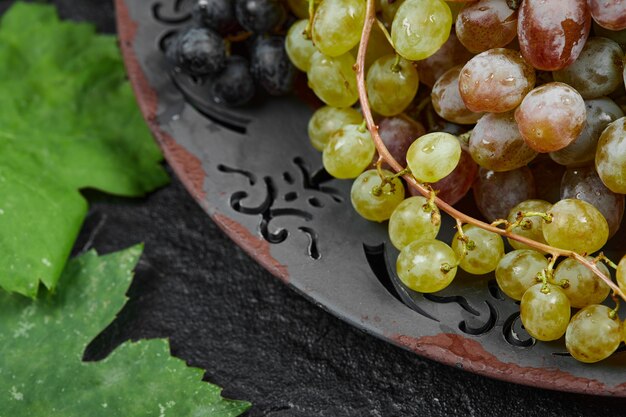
488,249
374,207
420,27
517,271
577,226
377,46
532,227
611,156
327,120
411,221
433,156
301,7
349,152
585,287
333,79
426,265
299,48
390,87
620,273
593,335
337,25
545,316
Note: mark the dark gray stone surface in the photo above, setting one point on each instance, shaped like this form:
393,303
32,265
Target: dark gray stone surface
260,340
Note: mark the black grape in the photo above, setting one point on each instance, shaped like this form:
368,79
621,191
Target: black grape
259,16
198,51
270,65
218,15
234,86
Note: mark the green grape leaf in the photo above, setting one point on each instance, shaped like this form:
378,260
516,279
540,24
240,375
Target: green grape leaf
42,343
68,121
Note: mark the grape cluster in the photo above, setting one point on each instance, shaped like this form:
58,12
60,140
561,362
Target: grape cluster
520,101
237,46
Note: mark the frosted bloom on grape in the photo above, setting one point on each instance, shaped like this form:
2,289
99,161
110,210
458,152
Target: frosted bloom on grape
447,100
597,71
582,151
551,117
497,144
609,14
495,81
552,33
486,24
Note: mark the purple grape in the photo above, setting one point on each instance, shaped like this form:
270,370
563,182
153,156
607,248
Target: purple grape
270,65
234,86
496,193
198,51
218,15
259,16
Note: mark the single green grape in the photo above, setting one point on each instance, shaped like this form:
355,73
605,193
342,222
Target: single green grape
545,316
592,334
484,250
368,204
426,265
299,48
391,87
337,25
349,152
620,273
585,287
327,120
333,79
577,226
517,271
413,220
532,227
433,156
420,27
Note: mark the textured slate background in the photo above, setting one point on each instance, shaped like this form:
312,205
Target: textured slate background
260,340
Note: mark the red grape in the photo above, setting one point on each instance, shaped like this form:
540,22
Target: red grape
496,193
552,33
486,24
551,117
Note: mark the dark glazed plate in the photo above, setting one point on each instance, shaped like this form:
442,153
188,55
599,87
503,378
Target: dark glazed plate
254,172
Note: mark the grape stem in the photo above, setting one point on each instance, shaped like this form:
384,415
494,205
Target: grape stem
370,20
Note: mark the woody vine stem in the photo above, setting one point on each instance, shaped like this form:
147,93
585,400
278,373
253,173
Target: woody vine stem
461,218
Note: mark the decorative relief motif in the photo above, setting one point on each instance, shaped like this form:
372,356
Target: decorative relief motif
312,189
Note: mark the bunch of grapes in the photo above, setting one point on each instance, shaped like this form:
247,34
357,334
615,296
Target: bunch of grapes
224,32
522,102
